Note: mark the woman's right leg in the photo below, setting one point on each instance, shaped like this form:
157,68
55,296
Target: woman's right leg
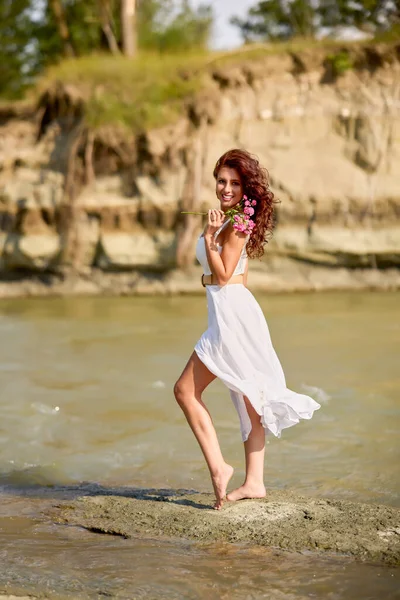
188,389
254,449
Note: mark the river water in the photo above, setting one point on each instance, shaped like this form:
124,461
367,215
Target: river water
86,403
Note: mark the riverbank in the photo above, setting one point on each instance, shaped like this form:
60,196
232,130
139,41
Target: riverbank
8,597
281,520
87,190
279,275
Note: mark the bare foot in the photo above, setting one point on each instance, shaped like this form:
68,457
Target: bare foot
247,490
220,483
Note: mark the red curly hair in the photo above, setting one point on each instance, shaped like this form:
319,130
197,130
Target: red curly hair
255,183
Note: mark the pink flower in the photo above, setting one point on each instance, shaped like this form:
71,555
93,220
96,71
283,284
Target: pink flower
248,210
240,216
244,225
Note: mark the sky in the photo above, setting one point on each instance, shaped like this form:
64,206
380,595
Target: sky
225,35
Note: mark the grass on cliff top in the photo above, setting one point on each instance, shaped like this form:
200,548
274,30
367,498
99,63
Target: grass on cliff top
150,91
264,49
144,93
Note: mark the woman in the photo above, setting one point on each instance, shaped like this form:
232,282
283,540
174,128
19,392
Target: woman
237,346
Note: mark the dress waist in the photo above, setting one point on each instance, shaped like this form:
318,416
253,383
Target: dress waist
211,280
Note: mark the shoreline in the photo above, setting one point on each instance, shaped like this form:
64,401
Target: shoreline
280,276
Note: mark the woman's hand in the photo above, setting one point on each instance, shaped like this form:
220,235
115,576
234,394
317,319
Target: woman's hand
214,221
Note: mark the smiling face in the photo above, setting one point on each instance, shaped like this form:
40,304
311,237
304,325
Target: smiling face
229,188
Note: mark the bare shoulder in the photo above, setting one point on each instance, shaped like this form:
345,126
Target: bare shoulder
232,237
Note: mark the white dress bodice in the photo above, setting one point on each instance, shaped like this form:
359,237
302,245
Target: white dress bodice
201,254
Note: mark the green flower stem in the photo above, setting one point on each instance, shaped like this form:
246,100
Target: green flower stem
185,212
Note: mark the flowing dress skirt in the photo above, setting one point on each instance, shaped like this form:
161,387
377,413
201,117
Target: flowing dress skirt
237,348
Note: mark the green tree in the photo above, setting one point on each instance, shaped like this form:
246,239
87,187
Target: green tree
35,34
380,14
83,19
59,16
16,52
278,19
283,19
171,25
107,25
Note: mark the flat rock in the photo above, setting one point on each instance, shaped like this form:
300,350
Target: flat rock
281,520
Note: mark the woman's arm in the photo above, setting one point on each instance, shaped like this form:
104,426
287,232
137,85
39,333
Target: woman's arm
222,265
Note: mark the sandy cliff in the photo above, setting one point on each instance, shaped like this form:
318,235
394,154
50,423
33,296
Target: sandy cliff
103,207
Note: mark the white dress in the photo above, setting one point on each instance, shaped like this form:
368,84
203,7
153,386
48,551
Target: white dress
237,348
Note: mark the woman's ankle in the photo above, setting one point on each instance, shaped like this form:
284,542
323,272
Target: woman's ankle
220,470
254,482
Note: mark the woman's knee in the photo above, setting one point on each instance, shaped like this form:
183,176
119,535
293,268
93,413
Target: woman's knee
180,392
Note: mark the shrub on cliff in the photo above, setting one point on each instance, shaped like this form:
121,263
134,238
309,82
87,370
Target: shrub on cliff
140,94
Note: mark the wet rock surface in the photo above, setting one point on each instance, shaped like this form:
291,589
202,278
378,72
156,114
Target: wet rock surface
281,520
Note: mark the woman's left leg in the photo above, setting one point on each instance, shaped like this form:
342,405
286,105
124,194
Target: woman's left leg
254,448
